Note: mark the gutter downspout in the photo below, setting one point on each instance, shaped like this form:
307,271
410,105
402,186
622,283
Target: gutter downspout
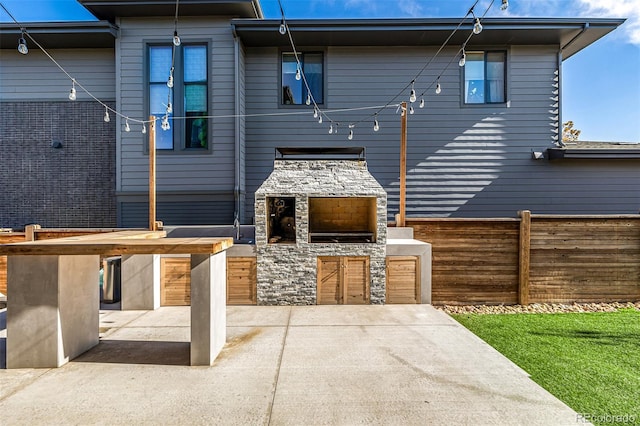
236,190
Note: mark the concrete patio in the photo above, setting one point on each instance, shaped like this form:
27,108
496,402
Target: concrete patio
393,364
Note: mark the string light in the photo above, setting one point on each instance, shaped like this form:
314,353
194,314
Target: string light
170,80
421,102
165,123
505,5
315,112
72,92
438,87
308,100
413,97
477,27
283,28
376,125
106,115
169,108
350,135
411,110
144,128
176,38
320,119
298,73
22,45
331,129
463,58
126,125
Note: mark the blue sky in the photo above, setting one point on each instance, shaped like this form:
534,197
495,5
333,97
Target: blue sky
601,84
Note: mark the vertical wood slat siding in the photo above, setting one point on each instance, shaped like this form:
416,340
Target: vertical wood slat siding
474,261
584,259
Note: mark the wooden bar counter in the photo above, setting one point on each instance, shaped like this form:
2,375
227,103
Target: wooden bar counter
53,293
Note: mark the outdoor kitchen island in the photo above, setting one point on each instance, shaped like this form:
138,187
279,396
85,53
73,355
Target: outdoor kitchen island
321,230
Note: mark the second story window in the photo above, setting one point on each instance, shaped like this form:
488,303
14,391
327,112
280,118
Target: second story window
189,97
294,91
484,78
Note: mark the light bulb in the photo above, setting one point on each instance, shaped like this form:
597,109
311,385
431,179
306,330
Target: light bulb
421,102
505,5
176,39
144,129
412,97
411,110
72,93
477,27
106,116
438,87
169,108
126,125
315,112
350,135
376,125
170,81
308,101
22,45
298,75
463,59
331,129
403,111
320,119
165,123
283,28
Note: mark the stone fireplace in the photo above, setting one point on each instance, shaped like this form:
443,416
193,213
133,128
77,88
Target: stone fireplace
320,229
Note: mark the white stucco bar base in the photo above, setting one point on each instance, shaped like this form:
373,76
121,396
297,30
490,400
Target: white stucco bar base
140,278
208,307
400,242
53,313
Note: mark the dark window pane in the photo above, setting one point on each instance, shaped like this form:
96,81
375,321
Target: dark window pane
313,72
495,76
195,98
196,131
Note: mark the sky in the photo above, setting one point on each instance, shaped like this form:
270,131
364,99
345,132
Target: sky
600,84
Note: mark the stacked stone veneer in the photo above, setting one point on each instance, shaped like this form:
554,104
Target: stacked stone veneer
287,273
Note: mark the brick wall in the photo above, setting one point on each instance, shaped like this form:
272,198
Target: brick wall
73,186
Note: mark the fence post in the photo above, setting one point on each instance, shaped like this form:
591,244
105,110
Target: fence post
30,232
524,256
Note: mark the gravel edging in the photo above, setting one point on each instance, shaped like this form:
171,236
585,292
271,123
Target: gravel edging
538,308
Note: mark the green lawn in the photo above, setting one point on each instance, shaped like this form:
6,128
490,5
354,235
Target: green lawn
591,361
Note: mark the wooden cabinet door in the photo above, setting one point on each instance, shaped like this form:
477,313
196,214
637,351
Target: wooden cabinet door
403,279
175,281
343,280
242,279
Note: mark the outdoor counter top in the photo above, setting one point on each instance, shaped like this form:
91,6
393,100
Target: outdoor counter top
108,246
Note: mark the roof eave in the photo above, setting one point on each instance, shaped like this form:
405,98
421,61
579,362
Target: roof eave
62,35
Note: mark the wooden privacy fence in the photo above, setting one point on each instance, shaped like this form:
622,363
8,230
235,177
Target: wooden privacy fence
529,259
533,259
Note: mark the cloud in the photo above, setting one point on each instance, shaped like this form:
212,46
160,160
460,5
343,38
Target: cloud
629,9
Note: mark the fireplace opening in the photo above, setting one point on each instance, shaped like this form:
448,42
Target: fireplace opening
342,219
281,220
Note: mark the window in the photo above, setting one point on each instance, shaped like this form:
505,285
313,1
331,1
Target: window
190,87
294,92
484,78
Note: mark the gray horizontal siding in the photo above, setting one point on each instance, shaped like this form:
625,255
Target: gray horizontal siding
464,161
35,77
216,211
178,171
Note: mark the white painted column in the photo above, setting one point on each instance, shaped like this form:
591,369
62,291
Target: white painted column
208,307
53,310
140,281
